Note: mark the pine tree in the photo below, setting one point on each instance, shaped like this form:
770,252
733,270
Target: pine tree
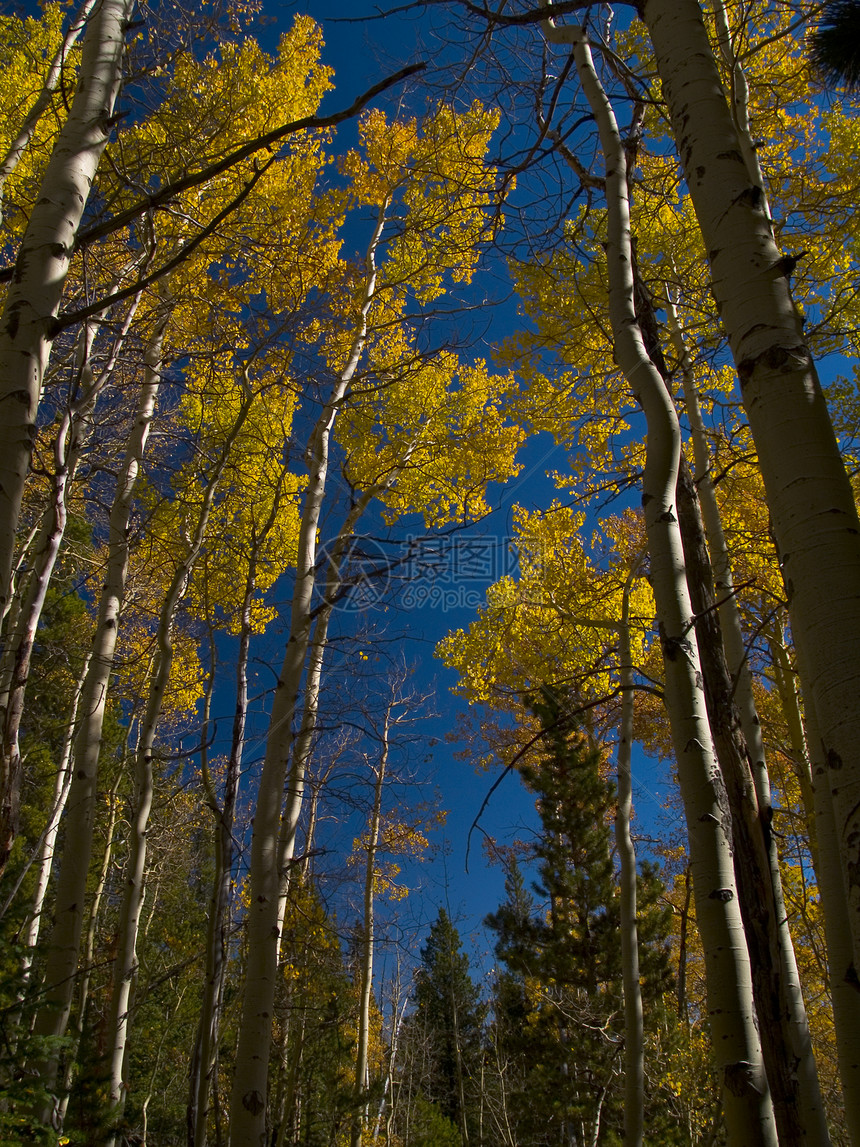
448,1019
558,1007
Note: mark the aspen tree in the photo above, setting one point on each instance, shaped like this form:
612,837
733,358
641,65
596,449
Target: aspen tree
206,1044
125,963
746,1098
248,1105
365,978
809,496
70,443
33,299
51,82
63,948
426,239
779,998
634,1036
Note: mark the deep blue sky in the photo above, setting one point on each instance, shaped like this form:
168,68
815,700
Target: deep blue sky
361,54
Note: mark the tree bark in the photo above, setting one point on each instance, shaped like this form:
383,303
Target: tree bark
780,1007
746,1097
33,300
789,1060
52,79
810,498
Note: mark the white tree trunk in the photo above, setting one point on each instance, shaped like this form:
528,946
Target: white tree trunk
33,300
634,1033
809,496
63,947
843,981
134,883
737,1051
365,979
62,784
52,79
250,1082
797,1095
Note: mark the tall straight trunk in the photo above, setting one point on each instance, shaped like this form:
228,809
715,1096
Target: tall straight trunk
64,944
134,882
634,1033
808,492
250,1082
42,264
737,1051
204,1061
365,977
783,1023
789,1060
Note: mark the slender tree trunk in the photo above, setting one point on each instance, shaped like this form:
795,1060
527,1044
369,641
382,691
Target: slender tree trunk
125,964
301,753
250,1083
33,300
634,1034
64,944
785,680
808,492
15,672
52,79
783,1023
746,1097
62,784
204,1064
365,978
89,946
789,1059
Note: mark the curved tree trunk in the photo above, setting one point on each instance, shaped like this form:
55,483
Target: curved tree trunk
810,498
746,1097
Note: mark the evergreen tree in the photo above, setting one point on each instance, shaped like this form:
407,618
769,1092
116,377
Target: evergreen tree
448,1023
559,1024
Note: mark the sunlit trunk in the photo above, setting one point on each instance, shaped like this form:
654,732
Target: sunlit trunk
808,493
42,264
746,1098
